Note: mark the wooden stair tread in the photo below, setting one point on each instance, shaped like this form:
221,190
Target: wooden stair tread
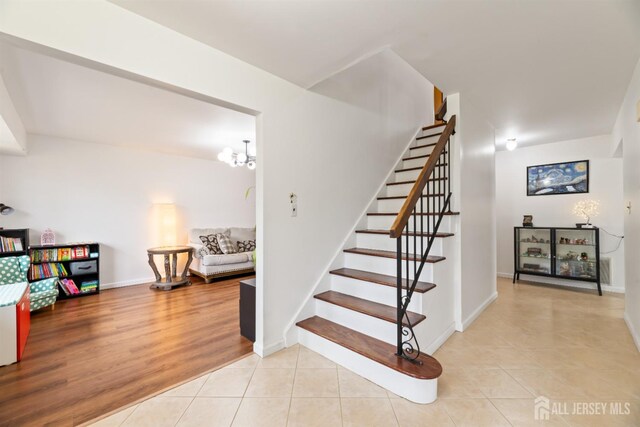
420,157
411,233
371,348
417,147
404,197
440,165
370,308
380,279
392,254
413,182
433,126
428,136
396,213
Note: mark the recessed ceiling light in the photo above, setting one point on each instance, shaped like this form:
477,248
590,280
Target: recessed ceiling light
511,144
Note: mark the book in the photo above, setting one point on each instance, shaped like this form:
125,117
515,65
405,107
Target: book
73,289
63,286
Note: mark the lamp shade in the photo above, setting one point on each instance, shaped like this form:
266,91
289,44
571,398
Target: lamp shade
5,210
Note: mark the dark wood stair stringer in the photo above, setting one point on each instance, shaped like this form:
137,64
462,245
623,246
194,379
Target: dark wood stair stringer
380,279
370,308
372,348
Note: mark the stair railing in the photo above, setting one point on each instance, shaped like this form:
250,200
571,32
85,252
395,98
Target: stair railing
420,217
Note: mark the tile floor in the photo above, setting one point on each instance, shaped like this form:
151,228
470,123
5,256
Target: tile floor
571,347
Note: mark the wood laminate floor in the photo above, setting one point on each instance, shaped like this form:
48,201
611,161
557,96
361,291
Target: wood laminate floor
92,355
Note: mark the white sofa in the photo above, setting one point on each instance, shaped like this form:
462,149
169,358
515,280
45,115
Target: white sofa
210,267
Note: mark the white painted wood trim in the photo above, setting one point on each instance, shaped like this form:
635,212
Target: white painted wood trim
634,334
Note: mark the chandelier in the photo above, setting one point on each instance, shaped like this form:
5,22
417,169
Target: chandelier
238,159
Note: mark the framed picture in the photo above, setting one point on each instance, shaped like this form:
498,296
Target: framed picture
558,178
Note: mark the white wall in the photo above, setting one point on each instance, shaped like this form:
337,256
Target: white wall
85,191
474,198
627,130
605,185
332,152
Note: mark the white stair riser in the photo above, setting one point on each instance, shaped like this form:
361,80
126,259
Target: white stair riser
382,265
398,190
419,151
384,222
406,176
386,243
415,390
414,163
368,325
395,205
372,292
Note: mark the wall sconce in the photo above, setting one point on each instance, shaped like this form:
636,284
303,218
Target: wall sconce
5,210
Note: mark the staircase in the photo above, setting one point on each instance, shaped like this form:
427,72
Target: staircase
371,318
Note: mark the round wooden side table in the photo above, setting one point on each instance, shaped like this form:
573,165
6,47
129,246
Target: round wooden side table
171,274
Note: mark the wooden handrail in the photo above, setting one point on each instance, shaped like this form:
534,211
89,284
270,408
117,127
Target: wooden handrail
442,111
423,178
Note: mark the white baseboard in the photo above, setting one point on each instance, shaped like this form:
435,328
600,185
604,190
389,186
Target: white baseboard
264,351
437,343
477,312
565,283
124,283
634,333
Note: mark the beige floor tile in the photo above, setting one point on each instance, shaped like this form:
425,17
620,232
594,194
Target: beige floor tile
411,414
263,412
316,383
459,383
210,412
311,359
159,411
226,382
367,412
520,413
286,358
116,419
352,385
315,412
188,389
543,382
250,361
498,383
271,383
474,412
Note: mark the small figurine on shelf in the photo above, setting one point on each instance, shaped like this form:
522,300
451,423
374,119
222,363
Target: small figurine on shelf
565,270
584,256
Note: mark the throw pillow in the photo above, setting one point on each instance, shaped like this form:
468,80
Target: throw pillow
210,242
226,245
246,245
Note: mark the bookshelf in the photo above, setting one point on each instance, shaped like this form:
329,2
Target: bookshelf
14,242
77,265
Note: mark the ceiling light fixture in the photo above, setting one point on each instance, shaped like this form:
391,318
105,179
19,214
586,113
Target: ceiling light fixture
238,159
511,144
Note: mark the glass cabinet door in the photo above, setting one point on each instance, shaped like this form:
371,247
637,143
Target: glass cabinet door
533,246
576,253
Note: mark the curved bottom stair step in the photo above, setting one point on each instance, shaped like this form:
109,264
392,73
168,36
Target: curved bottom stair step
371,348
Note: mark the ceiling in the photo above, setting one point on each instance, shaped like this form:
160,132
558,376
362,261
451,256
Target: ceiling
542,71
61,99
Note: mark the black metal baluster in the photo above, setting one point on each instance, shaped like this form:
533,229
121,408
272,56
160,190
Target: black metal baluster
399,294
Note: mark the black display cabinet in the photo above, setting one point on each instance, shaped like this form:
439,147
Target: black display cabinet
560,252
